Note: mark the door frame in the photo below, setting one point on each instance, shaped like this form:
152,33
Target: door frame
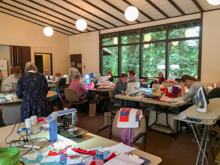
51,60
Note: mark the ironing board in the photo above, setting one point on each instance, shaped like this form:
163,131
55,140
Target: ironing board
195,118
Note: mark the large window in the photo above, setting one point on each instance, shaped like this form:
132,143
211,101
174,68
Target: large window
173,49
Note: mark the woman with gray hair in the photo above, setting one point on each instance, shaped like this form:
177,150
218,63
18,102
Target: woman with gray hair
32,88
73,71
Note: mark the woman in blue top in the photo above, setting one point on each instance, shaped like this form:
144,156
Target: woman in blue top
121,85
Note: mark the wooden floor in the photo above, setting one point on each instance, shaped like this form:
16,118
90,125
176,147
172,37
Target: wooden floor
180,151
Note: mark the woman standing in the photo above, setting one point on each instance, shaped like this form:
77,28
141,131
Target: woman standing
32,88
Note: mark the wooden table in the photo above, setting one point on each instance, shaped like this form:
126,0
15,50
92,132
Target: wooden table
87,141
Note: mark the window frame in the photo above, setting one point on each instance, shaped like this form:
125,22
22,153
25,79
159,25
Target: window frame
140,43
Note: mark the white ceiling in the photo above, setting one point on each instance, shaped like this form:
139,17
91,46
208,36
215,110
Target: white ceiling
61,15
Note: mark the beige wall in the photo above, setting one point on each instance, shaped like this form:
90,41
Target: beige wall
86,44
14,31
211,47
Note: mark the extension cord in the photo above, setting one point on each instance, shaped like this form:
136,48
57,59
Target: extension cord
17,144
30,146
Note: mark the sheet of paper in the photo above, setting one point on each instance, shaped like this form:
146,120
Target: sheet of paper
118,149
124,159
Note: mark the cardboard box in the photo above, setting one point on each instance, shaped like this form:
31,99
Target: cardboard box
107,118
92,109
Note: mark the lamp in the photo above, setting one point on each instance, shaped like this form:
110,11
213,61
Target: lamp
131,13
146,46
48,31
147,37
214,2
175,43
81,24
115,40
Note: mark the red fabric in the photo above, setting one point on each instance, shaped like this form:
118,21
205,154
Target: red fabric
52,153
92,163
111,157
157,99
39,119
81,151
124,115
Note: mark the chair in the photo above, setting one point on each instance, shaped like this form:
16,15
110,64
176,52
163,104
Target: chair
11,113
111,91
140,134
73,97
214,93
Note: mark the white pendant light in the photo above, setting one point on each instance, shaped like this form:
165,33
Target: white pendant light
131,13
81,24
147,37
175,43
48,31
214,2
115,40
146,46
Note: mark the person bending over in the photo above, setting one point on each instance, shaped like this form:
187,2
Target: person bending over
10,84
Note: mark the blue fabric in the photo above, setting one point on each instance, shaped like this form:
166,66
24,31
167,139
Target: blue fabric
37,160
32,88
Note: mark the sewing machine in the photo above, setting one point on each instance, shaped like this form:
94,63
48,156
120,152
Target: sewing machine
64,128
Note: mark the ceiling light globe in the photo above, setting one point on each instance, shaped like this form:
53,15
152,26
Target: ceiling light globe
81,24
175,43
147,37
48,31
214,2
131,13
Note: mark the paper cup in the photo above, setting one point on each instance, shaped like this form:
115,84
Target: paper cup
28,122
33,120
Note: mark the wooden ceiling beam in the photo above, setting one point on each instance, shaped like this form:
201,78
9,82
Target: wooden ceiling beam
177,7
98,8
75,13
72,4
143,13
46,23
198,5
157,8
46,13
39,16
58,12
116,8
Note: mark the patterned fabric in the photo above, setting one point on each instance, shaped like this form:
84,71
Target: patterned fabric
124,114
32,88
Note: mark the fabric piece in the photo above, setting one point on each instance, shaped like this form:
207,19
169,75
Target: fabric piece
81,151
124,114
124,159
32,158
127,135
118,149
52,153
102,155
111,157
32,88
125,121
